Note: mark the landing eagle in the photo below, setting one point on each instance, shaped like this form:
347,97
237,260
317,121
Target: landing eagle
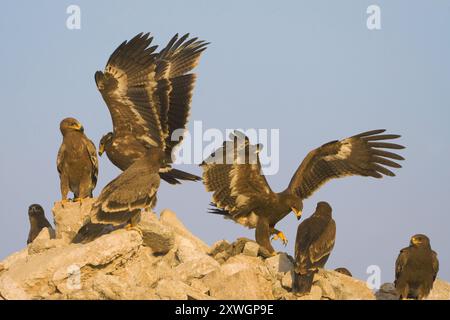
241,192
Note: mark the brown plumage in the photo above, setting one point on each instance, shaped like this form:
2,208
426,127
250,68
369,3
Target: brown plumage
313,246
149,95
122,200
416,269
38,221
77,161
241,192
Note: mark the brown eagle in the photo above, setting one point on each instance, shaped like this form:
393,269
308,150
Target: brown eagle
313,246
241,192
416,269
77,161
148,95
38,221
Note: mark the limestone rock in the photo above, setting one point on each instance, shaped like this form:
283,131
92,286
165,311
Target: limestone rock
169,218
440,291
156,236
337,286
280,264
386,292
71,217
315,294
288,280
251,249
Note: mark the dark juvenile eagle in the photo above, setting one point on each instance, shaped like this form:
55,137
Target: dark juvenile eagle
77,161
313,246
38,221
416,269
148,95
241,192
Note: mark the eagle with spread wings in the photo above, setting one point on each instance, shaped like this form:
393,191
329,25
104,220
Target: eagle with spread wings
241,192
148,95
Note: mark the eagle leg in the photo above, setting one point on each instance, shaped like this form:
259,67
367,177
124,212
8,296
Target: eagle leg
262,235
277,234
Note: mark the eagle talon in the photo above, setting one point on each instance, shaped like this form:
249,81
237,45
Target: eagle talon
64,202
280,235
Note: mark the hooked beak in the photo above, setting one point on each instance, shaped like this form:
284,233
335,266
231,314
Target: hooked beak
78,127
101,149
415,241
298,213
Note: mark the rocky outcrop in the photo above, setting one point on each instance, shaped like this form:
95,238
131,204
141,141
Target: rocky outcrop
440,291
160,259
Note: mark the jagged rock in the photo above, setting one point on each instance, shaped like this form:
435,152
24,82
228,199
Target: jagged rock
178,290
169,218
251,249
386,292
315,294
139,264
155,235
440,291
288,280
242,285
337,286
280,264
71,217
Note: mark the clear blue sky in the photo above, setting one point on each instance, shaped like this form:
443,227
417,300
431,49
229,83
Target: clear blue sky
310,68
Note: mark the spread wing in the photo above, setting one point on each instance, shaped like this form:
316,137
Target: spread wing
361,155
135,91
179,57
233,174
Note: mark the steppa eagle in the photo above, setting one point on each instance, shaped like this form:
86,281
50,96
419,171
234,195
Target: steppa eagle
241,192
76,162
416,269
313,245
148,95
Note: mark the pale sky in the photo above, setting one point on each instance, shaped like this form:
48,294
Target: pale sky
311,69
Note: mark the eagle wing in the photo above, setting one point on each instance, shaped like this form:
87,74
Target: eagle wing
94,160
132,91
435,265
400,263
314,241
323,246
361,155
179,57
233,174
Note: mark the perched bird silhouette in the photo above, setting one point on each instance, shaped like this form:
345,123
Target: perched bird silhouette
77,161
416,269
38,221
241,192
149,95
344,271
313,246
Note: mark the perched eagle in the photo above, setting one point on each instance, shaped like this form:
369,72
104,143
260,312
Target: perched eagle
313,245
38,221
416,269
148,95
241,192
77,161
121,201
